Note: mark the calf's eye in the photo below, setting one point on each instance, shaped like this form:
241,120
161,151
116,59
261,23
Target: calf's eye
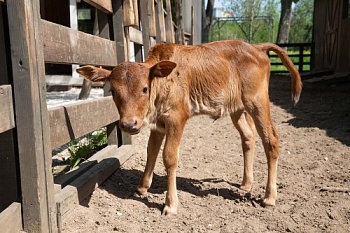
145,90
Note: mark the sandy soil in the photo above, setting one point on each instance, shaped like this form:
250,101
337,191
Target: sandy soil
315,153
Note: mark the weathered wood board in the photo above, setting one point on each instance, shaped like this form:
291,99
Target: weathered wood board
6,108
11,219
78,119
103,5
65,45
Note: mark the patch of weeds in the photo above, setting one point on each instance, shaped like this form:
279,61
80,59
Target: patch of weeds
83,148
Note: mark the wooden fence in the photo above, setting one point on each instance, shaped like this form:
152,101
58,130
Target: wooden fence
300,53
30,198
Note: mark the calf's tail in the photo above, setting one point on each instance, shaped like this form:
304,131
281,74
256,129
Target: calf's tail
296,84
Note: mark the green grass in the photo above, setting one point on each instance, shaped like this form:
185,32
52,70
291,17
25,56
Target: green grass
281,67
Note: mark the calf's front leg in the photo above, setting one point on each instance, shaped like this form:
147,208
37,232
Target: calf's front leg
154,143
170,159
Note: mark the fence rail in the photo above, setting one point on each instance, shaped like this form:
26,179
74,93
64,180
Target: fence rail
300,53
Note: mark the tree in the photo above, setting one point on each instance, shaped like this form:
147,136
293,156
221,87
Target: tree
207,17
285,19
302,22
253,20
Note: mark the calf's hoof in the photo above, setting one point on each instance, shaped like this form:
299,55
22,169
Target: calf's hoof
141,191
167,210
269,202
246,188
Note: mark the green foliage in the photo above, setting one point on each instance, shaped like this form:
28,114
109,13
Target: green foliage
262,29
301,25
81,149
254,21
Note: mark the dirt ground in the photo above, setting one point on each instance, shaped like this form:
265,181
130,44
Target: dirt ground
315,154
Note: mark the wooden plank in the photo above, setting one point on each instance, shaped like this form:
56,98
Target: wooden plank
160,23
170,38
35,159
3,55
151,18
130,13
103,5
103,25
145,25
75,120
65,45
111,158
11,219
136,9
135,35
118,30
122,54
7,120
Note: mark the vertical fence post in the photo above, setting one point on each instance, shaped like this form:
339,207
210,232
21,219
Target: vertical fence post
144,5
119,37
38,204
170,38
103,31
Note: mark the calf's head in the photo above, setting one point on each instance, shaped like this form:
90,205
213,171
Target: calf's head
130,86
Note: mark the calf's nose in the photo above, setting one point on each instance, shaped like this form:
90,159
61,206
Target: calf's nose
128,125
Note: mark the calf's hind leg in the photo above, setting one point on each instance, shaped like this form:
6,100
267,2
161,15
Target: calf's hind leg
260,112
154,143
245,126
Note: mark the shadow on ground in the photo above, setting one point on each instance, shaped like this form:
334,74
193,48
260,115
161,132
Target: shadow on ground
127,181
322,105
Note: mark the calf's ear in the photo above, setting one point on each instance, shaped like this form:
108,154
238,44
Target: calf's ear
162,69
94,74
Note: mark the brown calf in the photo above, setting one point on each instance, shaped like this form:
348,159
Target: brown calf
176,82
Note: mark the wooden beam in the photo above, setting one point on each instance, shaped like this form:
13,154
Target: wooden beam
122,54
152,18
170,38
3,55
130,13
35,158
110,159
161,33
104,32
11,218
78,119
118,30
103,5
144,5
65,45
135,35
7,120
